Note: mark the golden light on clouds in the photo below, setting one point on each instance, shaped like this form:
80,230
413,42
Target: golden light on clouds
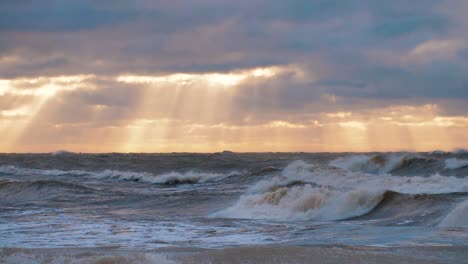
42,86
339,114
213,79
16,120
182,112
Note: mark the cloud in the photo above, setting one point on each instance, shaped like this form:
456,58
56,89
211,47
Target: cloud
60,16
190,66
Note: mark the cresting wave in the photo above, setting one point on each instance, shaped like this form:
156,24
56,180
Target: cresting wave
165,178
303,202
380,163
390,163
308,192
369,164
61,152
453,164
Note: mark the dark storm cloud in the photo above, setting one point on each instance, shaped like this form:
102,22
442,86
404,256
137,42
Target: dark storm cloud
146,37
60,16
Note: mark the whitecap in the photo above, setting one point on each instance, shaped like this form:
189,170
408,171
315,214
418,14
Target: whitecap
453,164
61,152
369,164
164,178
303,203
305,191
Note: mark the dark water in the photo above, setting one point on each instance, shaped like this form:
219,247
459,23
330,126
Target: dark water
226,200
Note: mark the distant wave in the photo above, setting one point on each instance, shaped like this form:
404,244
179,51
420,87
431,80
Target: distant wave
460,151
15,191
165,178
438,152
13,170
380,163
61,152
369,164
453,164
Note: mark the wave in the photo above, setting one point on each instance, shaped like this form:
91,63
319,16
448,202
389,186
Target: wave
304,202
460,151
453,164
13,170
390,163
413,209
369,164
18,191
61,152
265,171
306,192
165,178
438,152
458,217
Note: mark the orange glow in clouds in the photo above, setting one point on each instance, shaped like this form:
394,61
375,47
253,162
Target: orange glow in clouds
196,112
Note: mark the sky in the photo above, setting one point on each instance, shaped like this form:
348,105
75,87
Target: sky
245,75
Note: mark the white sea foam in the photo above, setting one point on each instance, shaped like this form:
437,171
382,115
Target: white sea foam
369,164
302,203
458,217
404,184
453,164
61,152
304,191
165,178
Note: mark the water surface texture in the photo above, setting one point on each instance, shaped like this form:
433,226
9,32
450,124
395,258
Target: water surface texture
230,200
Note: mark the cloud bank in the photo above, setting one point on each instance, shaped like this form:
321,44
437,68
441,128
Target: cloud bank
248,75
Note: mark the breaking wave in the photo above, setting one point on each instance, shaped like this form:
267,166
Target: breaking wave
165,178
303,202
306,192
61,152
368,164
378,164
388,163
453,164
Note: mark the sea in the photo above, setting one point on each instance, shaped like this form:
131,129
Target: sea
226,207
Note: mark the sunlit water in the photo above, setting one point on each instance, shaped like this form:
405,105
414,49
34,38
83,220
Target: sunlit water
154,201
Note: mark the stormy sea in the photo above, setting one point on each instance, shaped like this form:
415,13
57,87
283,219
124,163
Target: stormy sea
230,207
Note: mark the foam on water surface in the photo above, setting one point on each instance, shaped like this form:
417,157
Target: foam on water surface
453,164
304,192
141,201
164,178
